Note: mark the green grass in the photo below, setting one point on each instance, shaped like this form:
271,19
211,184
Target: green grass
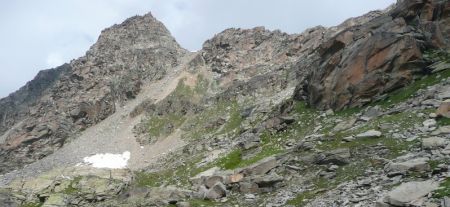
158,124
443,121
231,161
408,91
196,128
234,159
71,189
235,119
302,198
202,85
443,190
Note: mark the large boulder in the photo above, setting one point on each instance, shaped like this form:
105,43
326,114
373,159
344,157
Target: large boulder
337,157
407,193
360,63
261,167
417,165
444,109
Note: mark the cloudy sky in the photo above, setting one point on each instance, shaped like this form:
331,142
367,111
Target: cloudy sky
42,34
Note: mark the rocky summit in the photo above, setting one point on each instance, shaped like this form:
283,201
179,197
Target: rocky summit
352,115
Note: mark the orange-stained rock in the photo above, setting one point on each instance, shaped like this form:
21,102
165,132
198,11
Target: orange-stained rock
444,109
362,62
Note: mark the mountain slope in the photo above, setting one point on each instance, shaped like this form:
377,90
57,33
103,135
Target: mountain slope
352,115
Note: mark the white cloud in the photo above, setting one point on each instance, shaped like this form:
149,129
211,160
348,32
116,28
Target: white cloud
54,60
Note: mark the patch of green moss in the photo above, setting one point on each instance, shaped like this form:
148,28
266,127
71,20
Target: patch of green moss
231,160
71,188
443,190
202,85
196,128
234,159
235,119
302,198
443,121
159,123
408,91
144,179
402,120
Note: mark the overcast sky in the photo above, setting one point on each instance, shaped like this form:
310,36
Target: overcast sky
42,34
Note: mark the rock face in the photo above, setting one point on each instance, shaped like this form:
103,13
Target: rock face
60,102
407,193
366,60
232,108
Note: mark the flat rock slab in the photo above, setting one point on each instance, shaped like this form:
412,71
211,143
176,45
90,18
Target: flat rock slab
433,143
369,134
418,165
407,193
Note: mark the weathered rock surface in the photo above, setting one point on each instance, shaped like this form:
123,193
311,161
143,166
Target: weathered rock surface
58,103
366,60
406,194
369,134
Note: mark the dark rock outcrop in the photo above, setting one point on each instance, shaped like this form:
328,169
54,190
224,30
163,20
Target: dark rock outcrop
366,60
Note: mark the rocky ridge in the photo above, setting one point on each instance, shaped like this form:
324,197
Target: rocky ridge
353,115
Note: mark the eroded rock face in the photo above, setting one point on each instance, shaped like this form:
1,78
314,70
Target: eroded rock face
61,102
364,61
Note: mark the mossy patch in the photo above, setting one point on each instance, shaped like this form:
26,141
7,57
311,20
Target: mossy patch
163,125
234,159
443,190
71,188
443,121
408,91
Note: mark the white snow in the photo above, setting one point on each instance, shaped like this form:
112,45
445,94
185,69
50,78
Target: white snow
107,160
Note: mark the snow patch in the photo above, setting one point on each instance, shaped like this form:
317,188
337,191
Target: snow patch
107,160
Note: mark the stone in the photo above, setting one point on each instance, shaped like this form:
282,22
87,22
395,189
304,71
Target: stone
444,109
217,191
433,143
55,200
212,180
429,123
183,204
441,131
235,178
197,179
248,187
417,165
6,198
249,196
431,102
261,167
348,139
201,193
267,180
437,67
344,125
338,157
445,202
369,134
249,141
329,112
410,192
